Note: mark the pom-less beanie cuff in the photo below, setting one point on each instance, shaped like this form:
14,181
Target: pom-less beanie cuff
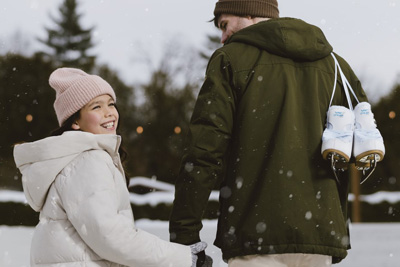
254,8
74,89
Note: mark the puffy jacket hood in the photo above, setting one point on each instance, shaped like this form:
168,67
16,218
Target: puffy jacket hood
41,161
286,37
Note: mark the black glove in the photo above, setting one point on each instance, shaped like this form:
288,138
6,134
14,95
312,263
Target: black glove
204,260
199,257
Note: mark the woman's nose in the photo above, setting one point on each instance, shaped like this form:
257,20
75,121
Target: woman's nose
108,112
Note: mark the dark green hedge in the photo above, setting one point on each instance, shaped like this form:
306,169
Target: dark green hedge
17,214
20,214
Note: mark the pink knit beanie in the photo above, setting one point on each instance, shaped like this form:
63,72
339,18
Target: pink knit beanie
74,89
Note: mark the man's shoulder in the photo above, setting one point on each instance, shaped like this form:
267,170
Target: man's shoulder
238,55
235,48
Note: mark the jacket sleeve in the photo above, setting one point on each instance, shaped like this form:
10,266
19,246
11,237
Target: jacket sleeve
91,199
203,163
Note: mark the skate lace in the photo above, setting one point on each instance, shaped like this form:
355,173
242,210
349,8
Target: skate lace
346,85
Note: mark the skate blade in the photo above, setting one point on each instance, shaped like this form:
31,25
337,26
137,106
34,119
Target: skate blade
368,167
339,155
339,163
367,156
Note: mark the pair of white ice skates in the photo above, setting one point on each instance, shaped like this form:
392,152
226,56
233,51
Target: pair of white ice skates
352,133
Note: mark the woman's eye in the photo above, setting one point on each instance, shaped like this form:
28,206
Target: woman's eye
112,104
96,107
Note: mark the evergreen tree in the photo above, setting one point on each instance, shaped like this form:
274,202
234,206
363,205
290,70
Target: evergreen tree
213,43
164,116
387,115
164,120
68,40
26,108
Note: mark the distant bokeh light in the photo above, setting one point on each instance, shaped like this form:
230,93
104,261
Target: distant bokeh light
29,118
177,130
139,129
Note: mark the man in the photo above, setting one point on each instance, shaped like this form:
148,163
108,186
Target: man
256,134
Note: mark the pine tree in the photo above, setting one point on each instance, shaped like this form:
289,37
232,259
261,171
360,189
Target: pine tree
68,40
387,173
213,43
163,118
26,108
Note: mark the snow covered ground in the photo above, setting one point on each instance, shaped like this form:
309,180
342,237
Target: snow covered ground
164,193
374,245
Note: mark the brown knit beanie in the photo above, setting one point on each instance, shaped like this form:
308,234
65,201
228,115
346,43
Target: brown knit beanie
74,89
254,8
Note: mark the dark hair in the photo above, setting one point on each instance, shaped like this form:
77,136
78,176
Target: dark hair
216,18
67,126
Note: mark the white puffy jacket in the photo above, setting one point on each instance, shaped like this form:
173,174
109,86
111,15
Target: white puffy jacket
76,181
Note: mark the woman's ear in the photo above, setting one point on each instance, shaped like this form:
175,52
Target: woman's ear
75,126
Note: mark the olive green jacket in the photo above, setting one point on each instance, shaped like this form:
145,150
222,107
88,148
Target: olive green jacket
256,134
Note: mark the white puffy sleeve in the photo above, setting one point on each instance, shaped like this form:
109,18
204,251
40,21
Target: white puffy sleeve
91,198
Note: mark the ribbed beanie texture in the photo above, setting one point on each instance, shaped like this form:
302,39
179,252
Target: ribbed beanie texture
254,8
74,89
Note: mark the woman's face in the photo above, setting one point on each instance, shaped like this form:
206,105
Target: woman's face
99,116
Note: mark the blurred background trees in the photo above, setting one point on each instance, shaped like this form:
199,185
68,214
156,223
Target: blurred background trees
387,116
26,112
155,128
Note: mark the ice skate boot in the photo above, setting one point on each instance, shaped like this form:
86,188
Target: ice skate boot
368,147
337,138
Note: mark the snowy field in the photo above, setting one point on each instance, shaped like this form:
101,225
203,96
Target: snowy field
374,245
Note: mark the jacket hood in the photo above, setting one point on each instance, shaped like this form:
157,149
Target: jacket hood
286,37
41,161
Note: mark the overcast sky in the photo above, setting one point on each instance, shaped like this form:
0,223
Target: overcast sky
365,32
